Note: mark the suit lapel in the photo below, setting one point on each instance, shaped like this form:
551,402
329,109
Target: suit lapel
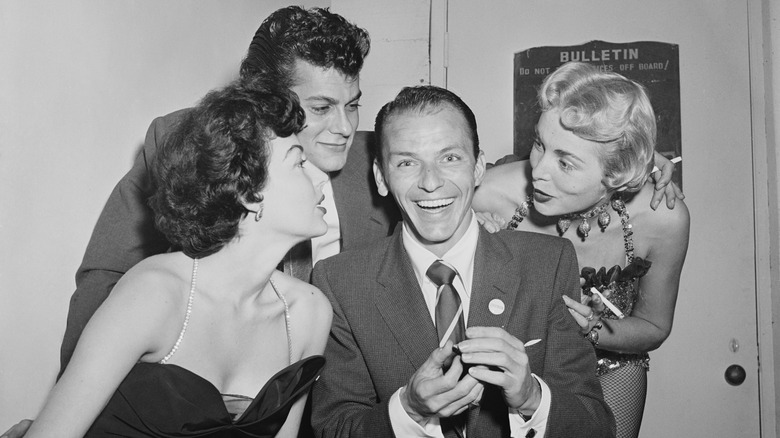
493,299
402,306
495,283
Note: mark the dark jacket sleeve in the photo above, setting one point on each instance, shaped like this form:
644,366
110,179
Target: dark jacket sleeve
123,236
578,407
344,403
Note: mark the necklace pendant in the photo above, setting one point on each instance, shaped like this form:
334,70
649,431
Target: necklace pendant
584,228
563,225
604,219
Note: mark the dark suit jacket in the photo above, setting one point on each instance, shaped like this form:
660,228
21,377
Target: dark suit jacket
125,232
382,333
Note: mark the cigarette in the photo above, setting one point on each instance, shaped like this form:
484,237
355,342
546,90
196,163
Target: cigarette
532,342
674,160
611,306
454,322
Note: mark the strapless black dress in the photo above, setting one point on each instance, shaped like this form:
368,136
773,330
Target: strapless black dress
157,400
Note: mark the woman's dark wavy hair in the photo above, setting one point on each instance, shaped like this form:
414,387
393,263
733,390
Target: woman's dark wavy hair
216,159
315,35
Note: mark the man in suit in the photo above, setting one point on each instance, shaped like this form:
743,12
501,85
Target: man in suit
318,55
391,366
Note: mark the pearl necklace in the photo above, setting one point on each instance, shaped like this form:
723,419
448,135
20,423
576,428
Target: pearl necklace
189,311
564,222
193,282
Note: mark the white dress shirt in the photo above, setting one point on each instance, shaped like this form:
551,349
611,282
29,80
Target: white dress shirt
461,257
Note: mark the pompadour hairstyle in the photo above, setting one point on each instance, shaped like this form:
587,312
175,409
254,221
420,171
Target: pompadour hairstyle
315,35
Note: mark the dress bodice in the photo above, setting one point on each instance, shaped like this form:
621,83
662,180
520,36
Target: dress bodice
165,400
159,400
621,286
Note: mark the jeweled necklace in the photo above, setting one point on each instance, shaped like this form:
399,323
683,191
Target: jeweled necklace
564,222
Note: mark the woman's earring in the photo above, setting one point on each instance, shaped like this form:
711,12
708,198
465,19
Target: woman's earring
259,212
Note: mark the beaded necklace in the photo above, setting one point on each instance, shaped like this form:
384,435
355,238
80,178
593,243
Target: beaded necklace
193,283
617,203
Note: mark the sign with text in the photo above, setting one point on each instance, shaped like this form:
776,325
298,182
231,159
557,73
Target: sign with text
653,64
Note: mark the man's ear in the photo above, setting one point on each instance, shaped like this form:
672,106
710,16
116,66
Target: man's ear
380,180
479,168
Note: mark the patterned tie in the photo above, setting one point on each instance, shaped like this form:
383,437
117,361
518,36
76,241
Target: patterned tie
447,306
297,262
447,303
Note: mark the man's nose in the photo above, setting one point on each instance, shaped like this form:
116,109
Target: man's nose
430,180
341,124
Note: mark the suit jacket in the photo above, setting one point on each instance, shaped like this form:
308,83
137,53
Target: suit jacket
382,333
125,232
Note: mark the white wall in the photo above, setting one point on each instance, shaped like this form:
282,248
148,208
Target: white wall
80,80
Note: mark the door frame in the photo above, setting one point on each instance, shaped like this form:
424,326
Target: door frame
766,220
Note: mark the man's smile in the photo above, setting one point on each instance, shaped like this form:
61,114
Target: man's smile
434,205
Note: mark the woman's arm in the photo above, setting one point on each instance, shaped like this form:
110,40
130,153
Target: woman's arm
502,189
665,233
126,327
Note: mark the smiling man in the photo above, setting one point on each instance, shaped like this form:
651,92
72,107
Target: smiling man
400,361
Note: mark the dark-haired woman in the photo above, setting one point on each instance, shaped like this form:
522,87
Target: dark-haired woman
586,181
209,340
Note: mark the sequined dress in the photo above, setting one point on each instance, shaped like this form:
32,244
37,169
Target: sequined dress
621,286
623,376
164,400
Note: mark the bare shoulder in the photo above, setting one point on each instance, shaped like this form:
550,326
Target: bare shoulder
155,285
305,300
310,312
663,220
145,306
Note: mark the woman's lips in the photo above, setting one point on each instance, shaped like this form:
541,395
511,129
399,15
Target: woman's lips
540,196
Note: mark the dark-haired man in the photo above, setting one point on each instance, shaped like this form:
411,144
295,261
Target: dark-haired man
401,304
318,55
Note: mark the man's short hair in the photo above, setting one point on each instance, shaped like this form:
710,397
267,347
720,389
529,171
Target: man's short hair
315,35
422,100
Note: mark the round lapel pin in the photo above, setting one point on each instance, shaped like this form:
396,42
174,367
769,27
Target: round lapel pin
496,306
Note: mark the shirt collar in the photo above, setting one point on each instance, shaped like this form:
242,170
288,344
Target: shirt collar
461,255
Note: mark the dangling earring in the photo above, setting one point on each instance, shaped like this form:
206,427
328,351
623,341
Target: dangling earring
259,212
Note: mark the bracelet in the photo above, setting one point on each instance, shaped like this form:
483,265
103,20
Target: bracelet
593,334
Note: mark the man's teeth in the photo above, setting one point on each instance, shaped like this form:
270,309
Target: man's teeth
435,203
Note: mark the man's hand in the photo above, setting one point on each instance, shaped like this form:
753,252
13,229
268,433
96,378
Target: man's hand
507,366
662,183
17,430
433,393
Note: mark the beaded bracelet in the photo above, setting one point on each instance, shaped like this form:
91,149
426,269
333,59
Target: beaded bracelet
593,334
